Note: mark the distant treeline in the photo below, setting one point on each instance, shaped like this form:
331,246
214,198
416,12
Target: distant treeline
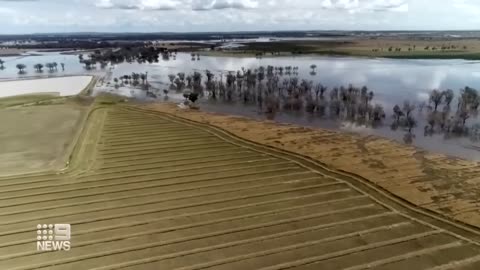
167,36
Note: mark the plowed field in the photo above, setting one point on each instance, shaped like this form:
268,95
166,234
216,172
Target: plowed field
146,190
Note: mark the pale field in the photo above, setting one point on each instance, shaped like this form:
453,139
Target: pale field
64,86
37,138
11,51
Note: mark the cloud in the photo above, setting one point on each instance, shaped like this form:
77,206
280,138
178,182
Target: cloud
139,4
197,5
19,16
365,5
224,4
467,6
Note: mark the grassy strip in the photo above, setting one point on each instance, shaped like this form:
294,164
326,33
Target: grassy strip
338,48
26,99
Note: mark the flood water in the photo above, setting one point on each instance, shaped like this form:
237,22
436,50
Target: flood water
392,81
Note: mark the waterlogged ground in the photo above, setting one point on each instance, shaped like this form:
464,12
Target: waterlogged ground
392,81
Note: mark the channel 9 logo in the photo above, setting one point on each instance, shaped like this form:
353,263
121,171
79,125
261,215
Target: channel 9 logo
53,237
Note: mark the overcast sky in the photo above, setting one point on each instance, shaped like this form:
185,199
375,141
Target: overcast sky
33,16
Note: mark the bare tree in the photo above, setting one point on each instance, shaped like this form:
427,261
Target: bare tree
408,108
397,113
436,98
449,95
463,114
411,123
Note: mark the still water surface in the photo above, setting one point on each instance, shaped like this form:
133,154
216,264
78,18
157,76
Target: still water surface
392,81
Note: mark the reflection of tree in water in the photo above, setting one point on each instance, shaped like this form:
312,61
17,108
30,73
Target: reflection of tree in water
453,123
439,115
129,54
272,89
408,138
278,88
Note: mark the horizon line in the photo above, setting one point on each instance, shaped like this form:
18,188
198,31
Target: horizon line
232,32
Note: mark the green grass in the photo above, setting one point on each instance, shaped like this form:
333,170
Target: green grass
26,99
110,99
338,48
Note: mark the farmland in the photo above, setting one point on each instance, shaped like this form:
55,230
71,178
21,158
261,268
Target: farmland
147,190
401,48
37,138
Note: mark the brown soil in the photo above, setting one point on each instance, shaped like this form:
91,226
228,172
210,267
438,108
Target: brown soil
11,51
447,186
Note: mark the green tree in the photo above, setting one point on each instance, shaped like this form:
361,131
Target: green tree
21,68
38,67
193,97
50,66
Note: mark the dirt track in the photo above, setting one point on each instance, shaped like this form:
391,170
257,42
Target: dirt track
149,191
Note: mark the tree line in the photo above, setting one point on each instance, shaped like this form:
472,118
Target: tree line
271,91
53,66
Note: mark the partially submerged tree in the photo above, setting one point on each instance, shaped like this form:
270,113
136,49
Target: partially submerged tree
88,64
436,98
38,67
193,97
408,108
378,113
50,66
464,114
449,95
411,123
21,68
397,112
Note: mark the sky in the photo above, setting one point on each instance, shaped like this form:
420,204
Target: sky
49,16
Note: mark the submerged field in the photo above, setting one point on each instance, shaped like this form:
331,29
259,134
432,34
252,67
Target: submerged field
150,191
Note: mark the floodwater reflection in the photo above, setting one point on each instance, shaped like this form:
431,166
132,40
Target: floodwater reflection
392,81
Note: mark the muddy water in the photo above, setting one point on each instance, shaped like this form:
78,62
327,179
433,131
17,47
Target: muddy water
392,81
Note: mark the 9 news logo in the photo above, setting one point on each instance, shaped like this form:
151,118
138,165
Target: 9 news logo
53,237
